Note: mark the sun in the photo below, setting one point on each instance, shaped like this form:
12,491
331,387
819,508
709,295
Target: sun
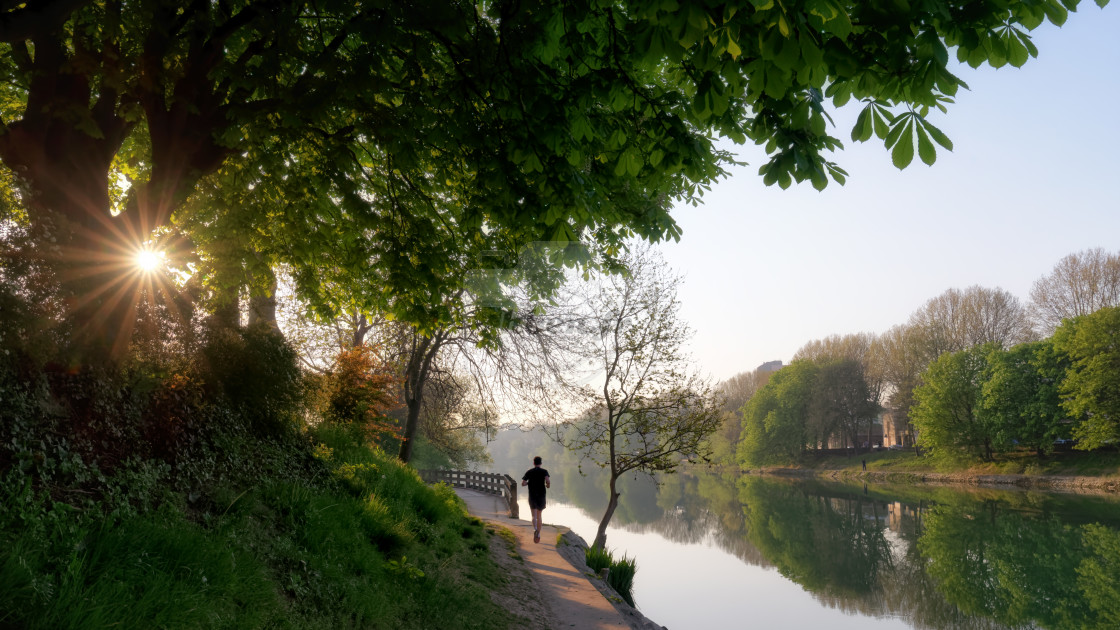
149,260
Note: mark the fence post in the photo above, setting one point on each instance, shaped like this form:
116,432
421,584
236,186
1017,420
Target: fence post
512,486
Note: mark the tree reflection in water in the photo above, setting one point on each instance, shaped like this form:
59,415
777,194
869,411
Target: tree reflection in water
939,558
934,556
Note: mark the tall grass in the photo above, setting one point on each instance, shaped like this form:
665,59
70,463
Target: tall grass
621,574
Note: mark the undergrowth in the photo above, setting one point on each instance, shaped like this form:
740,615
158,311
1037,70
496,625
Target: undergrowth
154,496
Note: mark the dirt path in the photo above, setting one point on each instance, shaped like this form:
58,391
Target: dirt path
567,595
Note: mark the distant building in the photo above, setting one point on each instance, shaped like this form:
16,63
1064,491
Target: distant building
769,366
896,431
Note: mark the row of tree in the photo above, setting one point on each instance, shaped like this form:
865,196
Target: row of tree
1029,362
986,400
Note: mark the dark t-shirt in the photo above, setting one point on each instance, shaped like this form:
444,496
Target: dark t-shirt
536,477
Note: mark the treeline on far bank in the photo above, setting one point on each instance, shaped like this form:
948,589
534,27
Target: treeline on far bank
975,403
973,376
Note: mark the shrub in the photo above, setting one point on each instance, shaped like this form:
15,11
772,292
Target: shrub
621,574
257,373
360,392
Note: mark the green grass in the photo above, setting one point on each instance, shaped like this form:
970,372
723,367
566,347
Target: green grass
356,542
621,574
1072,463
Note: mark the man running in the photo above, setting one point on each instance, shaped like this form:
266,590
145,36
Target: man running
537,480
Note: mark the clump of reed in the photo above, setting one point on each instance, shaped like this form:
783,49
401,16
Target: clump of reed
621,571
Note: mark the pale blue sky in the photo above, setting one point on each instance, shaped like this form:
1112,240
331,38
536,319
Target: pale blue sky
1034,176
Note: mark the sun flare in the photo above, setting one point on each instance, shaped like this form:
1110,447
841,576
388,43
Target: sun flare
149,260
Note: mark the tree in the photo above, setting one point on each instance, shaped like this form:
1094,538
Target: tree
900,359
1091,390
650,412
361,391
841,403
863,369
948,412
774,428
1080,284
952,322
1020,397
957,320
439,130
736,392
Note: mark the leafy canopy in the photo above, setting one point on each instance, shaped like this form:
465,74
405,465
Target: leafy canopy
391,146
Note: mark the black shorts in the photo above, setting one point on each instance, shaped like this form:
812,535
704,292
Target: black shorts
536,502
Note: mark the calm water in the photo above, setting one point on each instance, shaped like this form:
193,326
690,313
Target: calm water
722,551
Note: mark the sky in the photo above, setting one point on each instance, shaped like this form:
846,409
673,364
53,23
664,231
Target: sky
1034,175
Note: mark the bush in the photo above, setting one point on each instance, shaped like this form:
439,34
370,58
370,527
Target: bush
621,574
256,372
360,392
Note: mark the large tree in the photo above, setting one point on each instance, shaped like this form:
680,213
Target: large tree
774,428
649,411
841,404
433,131
1020,396
1091,389
863,369
1081,283
948,412
957,320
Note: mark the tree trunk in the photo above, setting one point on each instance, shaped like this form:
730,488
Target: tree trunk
612,504
262,306
412,421
423,351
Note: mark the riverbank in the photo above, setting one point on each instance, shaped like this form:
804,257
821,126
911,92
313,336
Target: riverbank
1049,483
1073,472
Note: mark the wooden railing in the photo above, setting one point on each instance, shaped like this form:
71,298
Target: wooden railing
494,483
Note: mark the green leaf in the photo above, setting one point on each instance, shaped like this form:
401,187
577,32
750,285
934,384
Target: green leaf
789,54
816,124
840,25
733,49
1017,53
903,152
633,163
862,130
938,136
926,150
883,121
1055,12
820,182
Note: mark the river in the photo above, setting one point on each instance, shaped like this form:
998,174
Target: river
730,551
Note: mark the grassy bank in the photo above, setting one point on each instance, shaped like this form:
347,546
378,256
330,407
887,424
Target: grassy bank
1063,464
318,532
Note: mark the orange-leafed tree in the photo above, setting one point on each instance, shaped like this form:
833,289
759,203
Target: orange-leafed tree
362,390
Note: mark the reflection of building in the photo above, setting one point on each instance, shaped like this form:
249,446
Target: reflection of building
903,518
896,430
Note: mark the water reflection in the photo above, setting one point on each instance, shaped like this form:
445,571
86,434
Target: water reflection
928,557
